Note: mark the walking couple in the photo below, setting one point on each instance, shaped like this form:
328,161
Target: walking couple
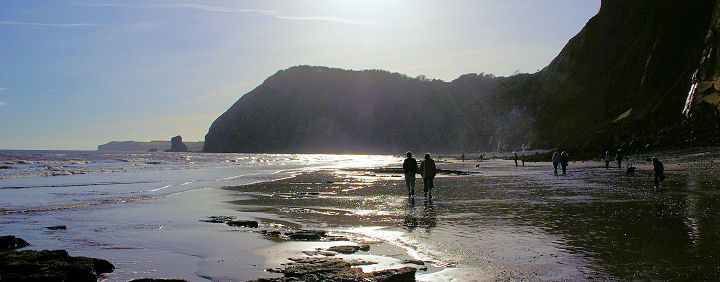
427,170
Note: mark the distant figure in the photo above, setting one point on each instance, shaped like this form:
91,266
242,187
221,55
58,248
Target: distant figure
630,170
659,172
522,158
607,159
619,158
428,171
463,157
482,157
515,154
564,158
555,161
410,168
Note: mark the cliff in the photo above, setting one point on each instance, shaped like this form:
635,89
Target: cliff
621,81
318,109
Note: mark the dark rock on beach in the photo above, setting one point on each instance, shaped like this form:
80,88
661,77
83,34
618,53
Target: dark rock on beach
54,265
336,269
8,243
395,275
306,235
243,223
349,249
322,267
56,227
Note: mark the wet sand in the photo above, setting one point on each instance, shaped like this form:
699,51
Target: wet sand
506,222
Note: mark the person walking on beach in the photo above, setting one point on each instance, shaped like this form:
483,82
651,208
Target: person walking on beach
607,159
659,170
515,154
619,158
555,161
428,171
522,158
564,158
410,168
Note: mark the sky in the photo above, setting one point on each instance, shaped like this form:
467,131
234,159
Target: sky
76,74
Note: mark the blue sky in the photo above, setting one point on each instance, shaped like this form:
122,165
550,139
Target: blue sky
76,74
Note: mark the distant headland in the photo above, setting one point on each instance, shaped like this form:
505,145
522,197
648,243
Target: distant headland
147,146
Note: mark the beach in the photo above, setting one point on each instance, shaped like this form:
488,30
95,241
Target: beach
487,220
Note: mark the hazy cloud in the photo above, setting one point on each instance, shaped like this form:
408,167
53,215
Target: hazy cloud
3,89
47,24
221,9
2,103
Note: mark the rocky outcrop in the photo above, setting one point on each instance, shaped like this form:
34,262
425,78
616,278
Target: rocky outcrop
8,243
336,269
46,265
177,145
306,235
243,223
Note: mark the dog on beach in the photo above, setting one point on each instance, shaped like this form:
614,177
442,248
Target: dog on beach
630,170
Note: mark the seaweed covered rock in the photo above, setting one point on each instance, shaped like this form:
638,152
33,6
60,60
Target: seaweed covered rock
55,265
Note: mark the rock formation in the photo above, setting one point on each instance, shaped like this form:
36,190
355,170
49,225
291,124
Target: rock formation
46,265
177,145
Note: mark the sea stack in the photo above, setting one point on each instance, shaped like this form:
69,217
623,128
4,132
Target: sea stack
177,145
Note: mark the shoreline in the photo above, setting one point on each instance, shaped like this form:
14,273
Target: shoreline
369,206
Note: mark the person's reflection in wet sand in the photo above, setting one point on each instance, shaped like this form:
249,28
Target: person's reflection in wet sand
411,221
428,216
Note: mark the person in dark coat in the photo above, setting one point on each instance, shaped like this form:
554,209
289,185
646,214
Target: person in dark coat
607,159
555,161
410,168
515,154
659,170
564,158
428,170
619,158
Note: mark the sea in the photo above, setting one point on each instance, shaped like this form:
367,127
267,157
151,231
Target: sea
144,211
